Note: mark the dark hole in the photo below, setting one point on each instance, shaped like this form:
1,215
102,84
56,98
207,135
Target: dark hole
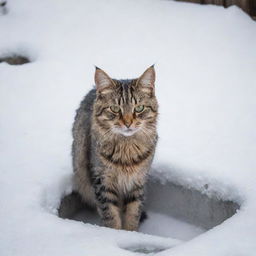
3,4
145,249
15,60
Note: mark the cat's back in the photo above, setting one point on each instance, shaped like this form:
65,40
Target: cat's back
86,104
84,113
81,147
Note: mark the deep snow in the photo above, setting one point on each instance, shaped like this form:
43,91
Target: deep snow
205,61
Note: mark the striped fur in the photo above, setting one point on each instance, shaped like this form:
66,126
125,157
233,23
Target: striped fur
112,151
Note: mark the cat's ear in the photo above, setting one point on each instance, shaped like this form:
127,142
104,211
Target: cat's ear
103,82
147,79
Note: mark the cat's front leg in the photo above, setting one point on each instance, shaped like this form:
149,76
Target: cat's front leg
108,206
132,209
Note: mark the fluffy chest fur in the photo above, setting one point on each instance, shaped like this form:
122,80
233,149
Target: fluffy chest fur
125,153
126,163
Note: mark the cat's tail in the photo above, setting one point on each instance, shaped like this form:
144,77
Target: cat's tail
70,205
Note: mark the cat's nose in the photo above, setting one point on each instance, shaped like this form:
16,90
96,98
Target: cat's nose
127,121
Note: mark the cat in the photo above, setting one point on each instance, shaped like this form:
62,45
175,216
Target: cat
114,141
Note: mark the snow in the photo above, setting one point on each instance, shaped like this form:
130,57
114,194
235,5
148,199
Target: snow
156,224
205,62
166,226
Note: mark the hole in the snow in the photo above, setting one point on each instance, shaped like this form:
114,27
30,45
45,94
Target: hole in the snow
15,59
142,249
3,8
172,211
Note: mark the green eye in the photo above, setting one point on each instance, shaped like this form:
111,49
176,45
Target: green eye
139,108
115,108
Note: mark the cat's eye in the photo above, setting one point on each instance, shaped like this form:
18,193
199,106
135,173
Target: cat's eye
115,108
139,108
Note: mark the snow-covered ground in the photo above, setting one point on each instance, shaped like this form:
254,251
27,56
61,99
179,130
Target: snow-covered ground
205,61
156,224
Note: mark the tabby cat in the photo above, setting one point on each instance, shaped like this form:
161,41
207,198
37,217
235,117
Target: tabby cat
114,143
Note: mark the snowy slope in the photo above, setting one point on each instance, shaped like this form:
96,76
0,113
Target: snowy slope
205,61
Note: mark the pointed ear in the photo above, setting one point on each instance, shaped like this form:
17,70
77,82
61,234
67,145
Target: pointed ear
147,79
102,80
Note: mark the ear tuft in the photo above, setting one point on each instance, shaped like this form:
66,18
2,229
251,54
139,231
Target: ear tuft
147,79
102,80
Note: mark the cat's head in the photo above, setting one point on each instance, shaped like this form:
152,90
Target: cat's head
126,107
